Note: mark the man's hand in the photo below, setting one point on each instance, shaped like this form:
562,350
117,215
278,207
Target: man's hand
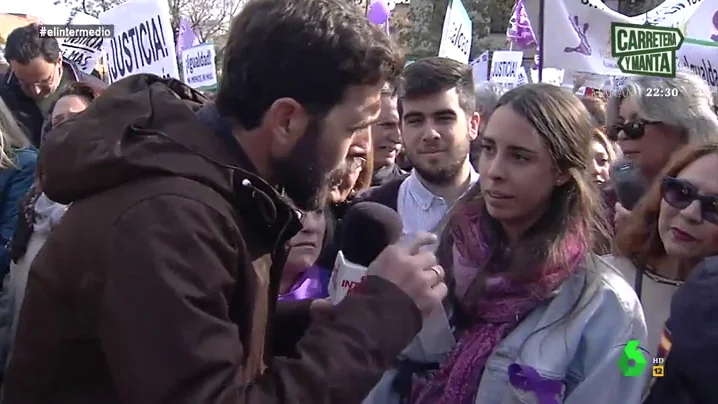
414,271
320,309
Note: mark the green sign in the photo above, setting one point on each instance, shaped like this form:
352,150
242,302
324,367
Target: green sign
632,361
644,49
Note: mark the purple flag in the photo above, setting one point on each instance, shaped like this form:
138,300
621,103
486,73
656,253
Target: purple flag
186,36
519,31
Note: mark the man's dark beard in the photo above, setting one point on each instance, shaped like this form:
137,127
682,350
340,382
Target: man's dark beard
443,175
304,180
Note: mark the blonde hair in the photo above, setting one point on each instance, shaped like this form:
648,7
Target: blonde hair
11,137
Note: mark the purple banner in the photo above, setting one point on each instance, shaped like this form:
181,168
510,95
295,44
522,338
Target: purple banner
519,31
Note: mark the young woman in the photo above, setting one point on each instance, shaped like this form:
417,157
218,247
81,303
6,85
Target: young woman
534,316
674,228
17,173
603,156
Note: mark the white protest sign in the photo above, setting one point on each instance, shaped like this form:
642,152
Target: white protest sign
550,76
456,34
82,51
199,67
580,33
505,66
480,68
701,57
143,42
522,77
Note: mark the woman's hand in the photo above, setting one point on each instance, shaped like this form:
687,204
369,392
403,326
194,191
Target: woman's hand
621,217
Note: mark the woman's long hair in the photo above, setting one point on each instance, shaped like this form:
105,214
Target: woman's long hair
11,137
566,127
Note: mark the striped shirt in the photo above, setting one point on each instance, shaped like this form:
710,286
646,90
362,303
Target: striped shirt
419,208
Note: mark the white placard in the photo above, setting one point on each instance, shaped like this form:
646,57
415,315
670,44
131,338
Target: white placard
578,33
505,67
143,42
550,76
523,77
456,33
480,68
199,67
702,58
82,51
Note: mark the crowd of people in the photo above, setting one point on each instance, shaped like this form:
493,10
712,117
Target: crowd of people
157,246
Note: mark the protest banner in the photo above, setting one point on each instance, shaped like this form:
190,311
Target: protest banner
522,77
578,34
199,68
143,41
505,67
456,33
480,68
82,51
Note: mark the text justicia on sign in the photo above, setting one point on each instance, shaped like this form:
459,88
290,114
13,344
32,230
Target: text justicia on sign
505,69
137,47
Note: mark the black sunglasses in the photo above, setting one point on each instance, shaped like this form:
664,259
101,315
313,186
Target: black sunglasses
634,130
680,194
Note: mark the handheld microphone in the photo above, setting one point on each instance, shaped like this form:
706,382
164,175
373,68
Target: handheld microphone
366,230
628,182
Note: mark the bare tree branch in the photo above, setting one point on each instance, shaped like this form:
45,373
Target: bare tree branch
209,18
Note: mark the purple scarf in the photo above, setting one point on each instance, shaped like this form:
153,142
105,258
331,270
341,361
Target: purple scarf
312,284
501,307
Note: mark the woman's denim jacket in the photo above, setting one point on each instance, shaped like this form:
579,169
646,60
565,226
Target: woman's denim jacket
555,355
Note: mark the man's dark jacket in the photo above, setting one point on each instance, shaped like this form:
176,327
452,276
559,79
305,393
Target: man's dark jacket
25,109
160,283
690,368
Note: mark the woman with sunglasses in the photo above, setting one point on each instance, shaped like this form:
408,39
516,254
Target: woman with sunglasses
653,117
669,233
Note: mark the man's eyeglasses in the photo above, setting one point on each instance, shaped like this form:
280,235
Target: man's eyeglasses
45,84
680,194
355,163
634,130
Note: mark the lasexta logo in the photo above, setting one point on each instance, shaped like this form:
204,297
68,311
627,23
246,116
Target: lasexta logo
632,361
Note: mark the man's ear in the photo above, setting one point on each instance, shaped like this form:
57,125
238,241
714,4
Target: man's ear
286,122
474,124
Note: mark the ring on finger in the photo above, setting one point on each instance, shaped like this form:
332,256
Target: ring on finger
437,270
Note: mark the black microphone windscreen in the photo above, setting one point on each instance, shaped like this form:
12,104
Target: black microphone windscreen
366,230
628,182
